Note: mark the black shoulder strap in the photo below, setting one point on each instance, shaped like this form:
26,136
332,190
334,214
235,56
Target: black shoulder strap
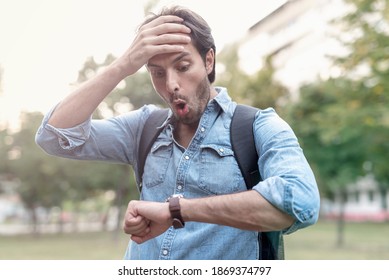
242,141
150,133
243,144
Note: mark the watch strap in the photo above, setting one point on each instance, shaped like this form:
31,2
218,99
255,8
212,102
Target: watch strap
175,212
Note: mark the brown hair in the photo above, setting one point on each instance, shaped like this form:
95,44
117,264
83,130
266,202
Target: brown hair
201,35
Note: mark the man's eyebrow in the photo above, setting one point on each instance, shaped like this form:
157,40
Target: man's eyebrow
181,56
178,58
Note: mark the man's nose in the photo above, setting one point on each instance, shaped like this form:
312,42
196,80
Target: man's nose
172,82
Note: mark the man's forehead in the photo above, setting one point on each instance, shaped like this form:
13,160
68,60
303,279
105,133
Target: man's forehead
171,58
163,59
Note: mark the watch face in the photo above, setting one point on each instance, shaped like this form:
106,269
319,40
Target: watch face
177,223
174,195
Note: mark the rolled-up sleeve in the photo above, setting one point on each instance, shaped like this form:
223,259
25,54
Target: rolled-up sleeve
288,181
52,139
111,140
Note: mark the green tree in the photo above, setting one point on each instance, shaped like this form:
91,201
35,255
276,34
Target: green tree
39,184
342,123
331,127
5,141
264,91
131,93
228,73
47,182
260,90
368,64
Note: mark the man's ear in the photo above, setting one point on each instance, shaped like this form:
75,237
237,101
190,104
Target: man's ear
209,60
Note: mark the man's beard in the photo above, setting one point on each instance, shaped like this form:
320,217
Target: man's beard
198,105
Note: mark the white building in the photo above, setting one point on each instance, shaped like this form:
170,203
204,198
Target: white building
363,202
298,35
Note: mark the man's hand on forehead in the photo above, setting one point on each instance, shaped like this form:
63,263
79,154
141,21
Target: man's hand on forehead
166,25
165,34
165,19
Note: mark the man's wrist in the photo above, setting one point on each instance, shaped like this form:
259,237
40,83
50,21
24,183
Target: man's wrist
175,211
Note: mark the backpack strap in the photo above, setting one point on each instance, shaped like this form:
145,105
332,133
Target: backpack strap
150,132
243,145
272,245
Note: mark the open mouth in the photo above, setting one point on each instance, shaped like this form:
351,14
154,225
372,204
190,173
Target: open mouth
181,107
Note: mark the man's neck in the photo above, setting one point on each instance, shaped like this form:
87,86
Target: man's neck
183,133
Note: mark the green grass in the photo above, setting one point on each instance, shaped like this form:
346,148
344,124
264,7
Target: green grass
364,241
69,246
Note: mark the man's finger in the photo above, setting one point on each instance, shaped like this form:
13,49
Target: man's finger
161,20
135,225
170,38
171,28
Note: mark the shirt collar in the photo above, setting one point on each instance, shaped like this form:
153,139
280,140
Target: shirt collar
222,98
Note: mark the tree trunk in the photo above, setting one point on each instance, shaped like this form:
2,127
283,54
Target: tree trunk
60,222
75,217
34,221
384,202
341,221
120,194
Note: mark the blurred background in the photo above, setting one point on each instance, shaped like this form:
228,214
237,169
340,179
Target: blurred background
322,64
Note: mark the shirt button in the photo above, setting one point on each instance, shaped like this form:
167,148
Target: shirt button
202,129
165,252
221,150
186,157
179,187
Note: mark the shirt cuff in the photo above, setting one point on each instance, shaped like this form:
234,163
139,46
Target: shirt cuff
69,138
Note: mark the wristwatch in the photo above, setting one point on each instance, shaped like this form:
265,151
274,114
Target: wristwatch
175,210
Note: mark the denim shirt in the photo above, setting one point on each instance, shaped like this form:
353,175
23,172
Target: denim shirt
206,167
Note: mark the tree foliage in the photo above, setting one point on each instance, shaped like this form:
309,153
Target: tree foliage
368,65
46,181
40,185
343,123
260,90
131,93
327,123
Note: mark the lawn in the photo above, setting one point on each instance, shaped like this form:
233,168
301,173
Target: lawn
361,241
69,246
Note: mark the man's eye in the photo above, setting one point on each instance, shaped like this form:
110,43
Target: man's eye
183,68
158,73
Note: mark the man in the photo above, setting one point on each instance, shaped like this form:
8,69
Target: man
192,157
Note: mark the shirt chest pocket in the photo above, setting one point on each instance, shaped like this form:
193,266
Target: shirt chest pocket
157,164
219,171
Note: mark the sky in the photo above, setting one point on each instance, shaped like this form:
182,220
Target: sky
44,43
